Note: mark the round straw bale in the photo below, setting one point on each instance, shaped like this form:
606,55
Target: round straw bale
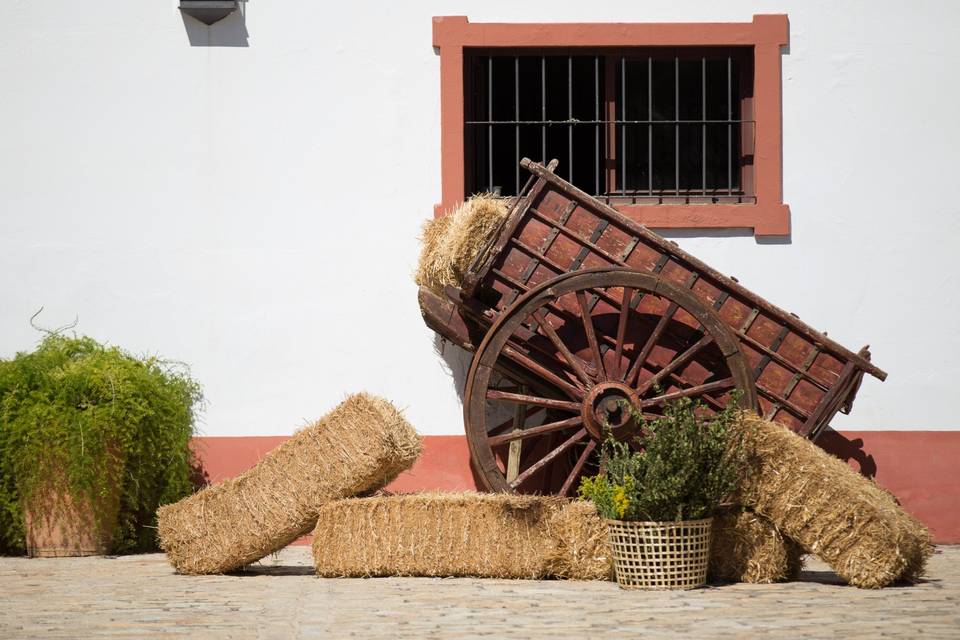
832,511
747,547
491,535
451,243
360,446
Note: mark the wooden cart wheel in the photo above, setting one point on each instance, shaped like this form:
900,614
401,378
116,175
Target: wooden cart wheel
593,339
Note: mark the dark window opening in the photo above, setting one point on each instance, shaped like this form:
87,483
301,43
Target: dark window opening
639,126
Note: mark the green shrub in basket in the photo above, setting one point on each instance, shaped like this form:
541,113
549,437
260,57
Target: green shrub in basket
104,422
680,467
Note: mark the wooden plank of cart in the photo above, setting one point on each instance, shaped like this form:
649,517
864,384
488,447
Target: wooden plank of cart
572,308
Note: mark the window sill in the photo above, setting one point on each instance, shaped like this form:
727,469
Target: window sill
764,219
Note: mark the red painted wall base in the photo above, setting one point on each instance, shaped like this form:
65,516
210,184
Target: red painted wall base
919,467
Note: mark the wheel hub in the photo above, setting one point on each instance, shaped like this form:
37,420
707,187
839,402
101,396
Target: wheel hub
607,409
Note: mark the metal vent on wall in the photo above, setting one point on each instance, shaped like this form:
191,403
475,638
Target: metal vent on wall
209,11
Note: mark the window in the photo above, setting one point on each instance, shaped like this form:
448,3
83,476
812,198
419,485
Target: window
676,125
655,126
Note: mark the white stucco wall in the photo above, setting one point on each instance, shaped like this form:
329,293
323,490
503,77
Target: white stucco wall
218,205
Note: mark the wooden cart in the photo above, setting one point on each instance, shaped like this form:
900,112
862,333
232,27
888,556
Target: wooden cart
572,308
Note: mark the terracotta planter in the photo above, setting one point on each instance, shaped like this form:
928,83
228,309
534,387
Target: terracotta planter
58,524
660,555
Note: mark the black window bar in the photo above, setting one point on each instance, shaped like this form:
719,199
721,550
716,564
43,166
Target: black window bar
719,172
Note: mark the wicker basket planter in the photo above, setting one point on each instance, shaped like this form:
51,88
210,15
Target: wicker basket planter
660,555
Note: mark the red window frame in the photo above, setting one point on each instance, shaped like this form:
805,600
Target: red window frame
768,216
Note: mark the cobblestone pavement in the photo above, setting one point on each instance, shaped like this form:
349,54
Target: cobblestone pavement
138,596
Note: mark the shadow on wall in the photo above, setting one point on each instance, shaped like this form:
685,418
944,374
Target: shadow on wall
721,233
839,445
199,478
457,362
229,32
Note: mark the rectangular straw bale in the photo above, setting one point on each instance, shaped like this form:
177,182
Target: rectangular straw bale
491,535
449,244
360,446
578,547
831,510
506,536
747,547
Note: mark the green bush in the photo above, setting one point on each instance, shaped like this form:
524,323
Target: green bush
680,468
78,407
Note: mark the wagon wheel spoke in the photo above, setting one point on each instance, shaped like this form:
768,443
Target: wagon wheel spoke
675,364
537,401
539,430
509,423
699,390
591,334
508,389
651,342
571,359
577,468
548,458
706,397
564,385
622,326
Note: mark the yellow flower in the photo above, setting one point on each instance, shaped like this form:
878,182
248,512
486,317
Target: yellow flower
620,500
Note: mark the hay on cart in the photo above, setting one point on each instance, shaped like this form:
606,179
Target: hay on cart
451,243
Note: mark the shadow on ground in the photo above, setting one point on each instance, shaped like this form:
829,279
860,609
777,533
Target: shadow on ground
279,570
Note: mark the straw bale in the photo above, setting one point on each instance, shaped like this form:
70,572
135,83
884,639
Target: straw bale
491,535
507,536
451,243
832,511
747,547
578,548
360,446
